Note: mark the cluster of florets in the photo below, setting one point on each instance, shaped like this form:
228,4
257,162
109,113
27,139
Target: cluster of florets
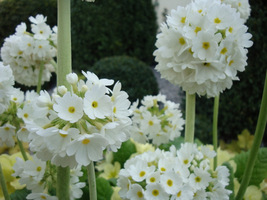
242,6
40,178
175,174
202,47
6,85
28,53
156,119
75,125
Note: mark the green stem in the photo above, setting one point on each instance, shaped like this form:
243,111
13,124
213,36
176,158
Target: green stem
190,108
39,85
22,150
215,128
64,43
64,68
3,184
53,62
261,124
63,179
92,181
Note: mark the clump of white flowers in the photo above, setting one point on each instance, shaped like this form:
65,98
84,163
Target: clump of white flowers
75,126
28,53
40,178
242,6
175,174
6,85
156,119
202,47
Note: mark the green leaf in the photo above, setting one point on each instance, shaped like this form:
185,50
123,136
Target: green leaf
259,172
20,194
124,153
176,142
104,190
231,180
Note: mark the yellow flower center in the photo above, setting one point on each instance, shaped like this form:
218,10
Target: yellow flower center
29,44
15,99
142,173
71,109
169,182
155,193
223,51
200,11
217,20
114,110
206,45
179,193
41,32
231,62
239,4
197,179
63,135
182,41
150,123
26,115
85,141
20,52
43,197
163,169
140,194
40,46
186,161
7,128
197,29
94,104
183,20
38,169
231,29
152,179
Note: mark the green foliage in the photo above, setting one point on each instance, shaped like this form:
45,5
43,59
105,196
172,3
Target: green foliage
13,12
239,106
104,190
124,153
107,28
136,77
20,194
260,169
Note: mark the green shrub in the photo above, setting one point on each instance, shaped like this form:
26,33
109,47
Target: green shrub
239,106
13,12
108,28
136,77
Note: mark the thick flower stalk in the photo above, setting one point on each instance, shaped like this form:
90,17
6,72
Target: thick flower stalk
40,178
156,119
74,127
175,174
29,54
202,47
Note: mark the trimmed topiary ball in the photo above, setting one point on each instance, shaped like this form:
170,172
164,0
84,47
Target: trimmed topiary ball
136,77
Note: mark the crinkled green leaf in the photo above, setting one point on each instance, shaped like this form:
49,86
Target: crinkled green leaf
260,169
231,180
104,190
124,153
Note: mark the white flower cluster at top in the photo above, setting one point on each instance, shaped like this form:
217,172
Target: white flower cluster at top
183,174
6,85
156,119
202,47
25,52
74,127
40,177
242,6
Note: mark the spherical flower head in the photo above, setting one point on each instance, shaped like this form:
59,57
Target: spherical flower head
198,46
69,107
156,119
27,53
172,179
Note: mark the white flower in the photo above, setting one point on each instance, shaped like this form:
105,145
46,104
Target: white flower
40,196
87,148
7,132
96,103
199,179
136,192
171,181
69,107
184,193
140,171
154,191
